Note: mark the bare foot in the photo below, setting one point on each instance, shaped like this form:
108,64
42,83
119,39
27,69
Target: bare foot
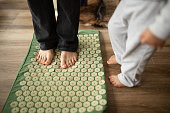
45,56
115,81
112,60
68,59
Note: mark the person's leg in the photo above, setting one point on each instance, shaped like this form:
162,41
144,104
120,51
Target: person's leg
118,34
136,55
67,30
44,22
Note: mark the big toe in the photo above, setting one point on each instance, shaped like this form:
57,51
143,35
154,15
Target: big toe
112,60
112,81
109,62
48,60
43,60
63,63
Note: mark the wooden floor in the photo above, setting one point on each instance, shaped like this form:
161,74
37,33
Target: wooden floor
153,96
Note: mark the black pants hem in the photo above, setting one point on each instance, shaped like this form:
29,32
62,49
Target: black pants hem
51,33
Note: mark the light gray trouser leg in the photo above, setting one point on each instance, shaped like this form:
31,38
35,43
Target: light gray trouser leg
130,19
118,33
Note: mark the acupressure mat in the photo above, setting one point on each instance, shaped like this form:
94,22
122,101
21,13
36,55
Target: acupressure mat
50,89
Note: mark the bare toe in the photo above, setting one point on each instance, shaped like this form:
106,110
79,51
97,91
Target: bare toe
67,63
112,79
48,61
43,60
63,63
70,62
40,58
112,60
75,59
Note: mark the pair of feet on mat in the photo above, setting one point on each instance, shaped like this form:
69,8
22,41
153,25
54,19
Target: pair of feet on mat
114,78
67,58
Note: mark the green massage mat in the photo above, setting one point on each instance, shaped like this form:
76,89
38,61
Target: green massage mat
49,89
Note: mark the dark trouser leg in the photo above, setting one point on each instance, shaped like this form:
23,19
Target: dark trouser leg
67,24
44,22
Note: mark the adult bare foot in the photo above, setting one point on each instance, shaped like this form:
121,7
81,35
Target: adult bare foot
115,81
68,59
112,60
45,56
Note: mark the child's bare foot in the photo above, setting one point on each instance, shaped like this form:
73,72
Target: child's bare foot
115,81
45,56
68,59
112,60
